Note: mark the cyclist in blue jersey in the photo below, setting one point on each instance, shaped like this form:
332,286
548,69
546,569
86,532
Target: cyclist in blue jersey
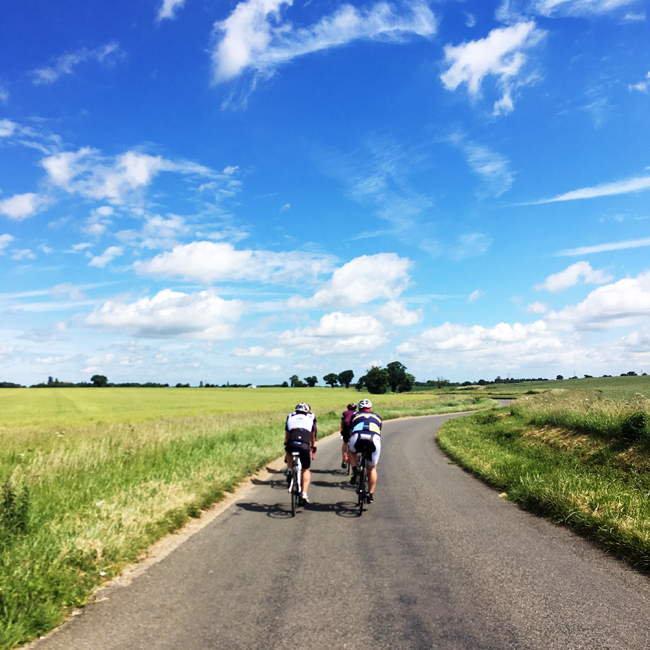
300,435
366,434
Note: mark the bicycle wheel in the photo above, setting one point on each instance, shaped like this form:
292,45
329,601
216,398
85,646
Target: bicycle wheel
295,496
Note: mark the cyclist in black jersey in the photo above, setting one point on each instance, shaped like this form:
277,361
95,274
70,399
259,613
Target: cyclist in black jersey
300,435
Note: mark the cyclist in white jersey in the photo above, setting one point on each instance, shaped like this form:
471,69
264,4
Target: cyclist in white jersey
300,435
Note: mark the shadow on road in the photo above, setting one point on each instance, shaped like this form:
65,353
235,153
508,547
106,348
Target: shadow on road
275,510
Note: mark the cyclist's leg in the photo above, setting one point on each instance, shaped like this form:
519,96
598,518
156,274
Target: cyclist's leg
352,452
305,457
372,464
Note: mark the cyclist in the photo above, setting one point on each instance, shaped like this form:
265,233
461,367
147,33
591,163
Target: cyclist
366,434
346,417
300,435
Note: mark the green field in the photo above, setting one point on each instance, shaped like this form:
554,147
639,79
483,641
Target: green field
93,476
577,452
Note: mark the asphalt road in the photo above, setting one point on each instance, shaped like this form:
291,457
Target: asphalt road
438,561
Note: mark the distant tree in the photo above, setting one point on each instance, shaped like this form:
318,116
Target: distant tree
407,383
345,378
588,377
396,373
631,373
559,377
311,381
49,380
285,384
482,382
331,378
361,383
294,379
377,380
98,380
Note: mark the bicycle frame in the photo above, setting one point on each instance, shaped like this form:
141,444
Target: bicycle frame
295,486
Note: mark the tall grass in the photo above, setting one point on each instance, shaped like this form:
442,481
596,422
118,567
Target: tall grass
78,503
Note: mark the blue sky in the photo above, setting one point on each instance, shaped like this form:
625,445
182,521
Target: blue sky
220,191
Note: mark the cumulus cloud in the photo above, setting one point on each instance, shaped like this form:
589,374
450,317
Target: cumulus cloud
171,314
169,8
500,54
571,276
478,347
361,280
397,313
537,308
257,37
607,189
337,333
113,179
259,351
107,256
209,262
623,303
23,206
66,63
4,241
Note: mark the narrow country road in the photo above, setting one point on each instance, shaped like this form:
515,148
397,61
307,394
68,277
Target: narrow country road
438,561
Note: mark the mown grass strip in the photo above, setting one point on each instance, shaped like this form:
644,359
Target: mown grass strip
80,503
598,487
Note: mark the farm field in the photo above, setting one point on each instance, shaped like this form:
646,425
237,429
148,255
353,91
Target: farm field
92,477
22,407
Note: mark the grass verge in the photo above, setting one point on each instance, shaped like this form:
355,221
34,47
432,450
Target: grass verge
593,480
78,503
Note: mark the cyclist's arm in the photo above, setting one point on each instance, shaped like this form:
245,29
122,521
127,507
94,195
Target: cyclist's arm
314,434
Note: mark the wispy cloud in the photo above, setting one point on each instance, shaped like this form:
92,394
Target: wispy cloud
4,241
475,295
642,86
470,245
601,248
500,54
491,166
578,7
169,8
23,206
607,189
66,63
256,36
572,276
107,256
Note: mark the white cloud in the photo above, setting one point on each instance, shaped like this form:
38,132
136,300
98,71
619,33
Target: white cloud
361,280
623,303
475,295
577,7
113,179
470,245
537,308
169,8
107,256
171,314
397,313
571,276
499,54
23,206
4,95
607,189
259,351
337,333
642,86
264,367
66,63
4,241
20,254
491,166
209,262
7,128
600,248
255,36
503,346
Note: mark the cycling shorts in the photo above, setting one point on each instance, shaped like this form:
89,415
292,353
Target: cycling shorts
359,440
305,454
345,434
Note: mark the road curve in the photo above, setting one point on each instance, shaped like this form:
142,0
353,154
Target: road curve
438,561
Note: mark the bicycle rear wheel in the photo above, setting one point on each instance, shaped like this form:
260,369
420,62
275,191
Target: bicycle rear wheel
361,487
295,498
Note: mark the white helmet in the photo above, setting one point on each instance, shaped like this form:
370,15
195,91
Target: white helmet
302,408
365,404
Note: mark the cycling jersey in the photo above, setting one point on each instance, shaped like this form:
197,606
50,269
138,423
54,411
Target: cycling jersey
346,418
299,427
366,422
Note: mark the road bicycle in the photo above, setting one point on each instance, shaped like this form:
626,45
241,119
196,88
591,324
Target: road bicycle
366,449
295,483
